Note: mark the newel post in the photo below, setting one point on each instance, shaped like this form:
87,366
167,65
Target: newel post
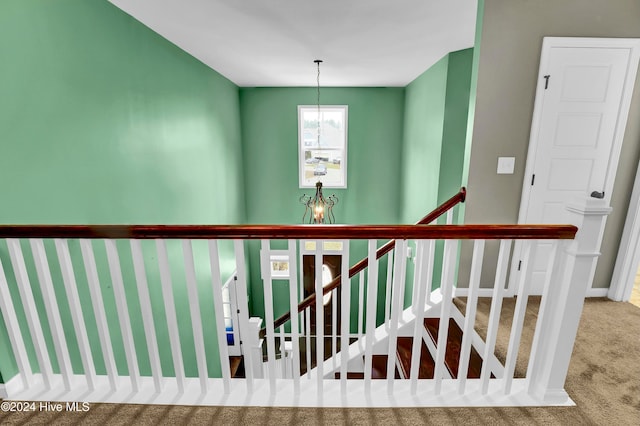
255,346
563,300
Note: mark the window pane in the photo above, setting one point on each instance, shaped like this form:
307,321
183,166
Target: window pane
323,155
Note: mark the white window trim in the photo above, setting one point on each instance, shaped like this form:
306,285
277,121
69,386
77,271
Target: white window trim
301,159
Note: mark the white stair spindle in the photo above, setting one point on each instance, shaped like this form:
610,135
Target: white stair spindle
28,302
147,313
529,254
400,265
319,318
334,326
123,313
416,275
170,312
243,307
97,303
216,283
446,288
196,318
345,320
494,315
71,288
372,299
425,251
470,315
293,308
13,330
387,300
361,288
52,310
265,264
307,315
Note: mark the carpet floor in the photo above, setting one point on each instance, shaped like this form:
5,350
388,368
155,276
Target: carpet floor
603,381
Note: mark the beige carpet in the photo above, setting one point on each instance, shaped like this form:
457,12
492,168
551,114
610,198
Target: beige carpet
604,381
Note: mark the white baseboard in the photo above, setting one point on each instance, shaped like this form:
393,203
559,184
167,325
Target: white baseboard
598,292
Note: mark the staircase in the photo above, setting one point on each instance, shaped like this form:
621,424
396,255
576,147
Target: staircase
404,350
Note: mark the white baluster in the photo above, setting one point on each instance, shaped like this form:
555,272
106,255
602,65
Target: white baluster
52,310
470,315
372,299
387,300
97,303
334,326
250,358
216,283
147,313
361,288
123,313
446,289
494,315
170,311
13,329
265,265
307,314
33,320
196,318
75,308
319,319
345,290
529,254
293,308
425,257
400,265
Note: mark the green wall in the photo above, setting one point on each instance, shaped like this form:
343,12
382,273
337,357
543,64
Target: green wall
435,128
422,145
270,138
104,121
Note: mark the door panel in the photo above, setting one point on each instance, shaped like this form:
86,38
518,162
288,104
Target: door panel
577,110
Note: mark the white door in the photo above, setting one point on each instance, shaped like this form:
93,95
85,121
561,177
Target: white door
576,132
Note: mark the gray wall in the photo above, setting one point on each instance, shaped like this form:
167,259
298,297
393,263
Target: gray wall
510,50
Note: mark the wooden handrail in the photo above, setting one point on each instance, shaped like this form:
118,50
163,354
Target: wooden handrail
319,232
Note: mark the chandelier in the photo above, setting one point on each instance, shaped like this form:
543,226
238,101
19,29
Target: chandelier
318,209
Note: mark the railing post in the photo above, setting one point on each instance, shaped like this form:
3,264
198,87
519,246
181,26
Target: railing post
563,300
255,346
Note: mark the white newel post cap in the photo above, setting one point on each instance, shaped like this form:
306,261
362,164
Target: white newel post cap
589,215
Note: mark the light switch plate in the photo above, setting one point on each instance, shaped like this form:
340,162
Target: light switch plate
506,165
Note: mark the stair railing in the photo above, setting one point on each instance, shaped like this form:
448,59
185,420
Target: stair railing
70,292
364,262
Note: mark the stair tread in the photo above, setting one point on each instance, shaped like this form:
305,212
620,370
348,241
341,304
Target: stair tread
378,369
454,343
404,351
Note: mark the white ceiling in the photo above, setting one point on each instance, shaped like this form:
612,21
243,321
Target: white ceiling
274,42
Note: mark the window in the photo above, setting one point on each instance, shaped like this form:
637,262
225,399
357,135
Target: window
322,160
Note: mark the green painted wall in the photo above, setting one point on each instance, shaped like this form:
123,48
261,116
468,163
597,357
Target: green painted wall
270,138
104,121
435,126
454,130
422,144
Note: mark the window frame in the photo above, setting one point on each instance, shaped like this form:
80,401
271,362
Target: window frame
344,109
